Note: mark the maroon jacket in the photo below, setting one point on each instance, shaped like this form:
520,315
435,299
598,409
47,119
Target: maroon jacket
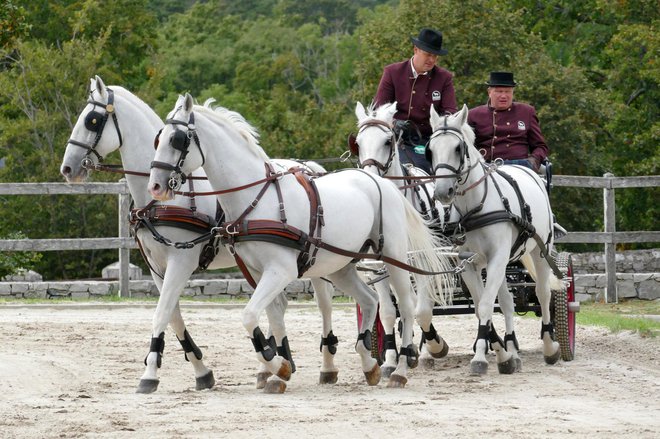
414,97
509,134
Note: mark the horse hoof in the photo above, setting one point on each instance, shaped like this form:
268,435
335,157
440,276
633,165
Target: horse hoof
507,367
387,371
205,382
518,365
147,386
478,367
275,386
552,359
427,362
328,378
262,379
373,376
442,353
285,370
397,381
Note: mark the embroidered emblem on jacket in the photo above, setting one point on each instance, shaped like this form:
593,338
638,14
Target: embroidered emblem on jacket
521,125
436,95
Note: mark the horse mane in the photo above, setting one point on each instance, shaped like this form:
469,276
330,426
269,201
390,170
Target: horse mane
380,112
135,100
236,121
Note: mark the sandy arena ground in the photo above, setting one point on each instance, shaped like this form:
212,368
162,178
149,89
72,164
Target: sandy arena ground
71,371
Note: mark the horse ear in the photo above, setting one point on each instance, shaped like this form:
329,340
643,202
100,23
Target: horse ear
360,112
100,87
435,118
463,114
391,111
188,103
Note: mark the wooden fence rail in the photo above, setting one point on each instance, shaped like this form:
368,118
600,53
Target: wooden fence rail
609,237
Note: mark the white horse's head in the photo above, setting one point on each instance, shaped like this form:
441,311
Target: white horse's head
95,134
451,152
178,152
375,144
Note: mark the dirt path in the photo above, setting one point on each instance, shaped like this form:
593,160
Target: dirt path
72,372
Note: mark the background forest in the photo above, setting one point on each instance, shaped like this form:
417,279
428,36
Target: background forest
295,69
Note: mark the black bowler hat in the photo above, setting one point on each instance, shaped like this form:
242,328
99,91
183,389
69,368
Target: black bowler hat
430,41
501,79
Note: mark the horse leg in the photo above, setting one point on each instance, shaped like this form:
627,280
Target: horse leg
387,313
276,337
408,354
551,352
203,376
170,287
271,283
486,333
505,299
432,345
323,297
348,280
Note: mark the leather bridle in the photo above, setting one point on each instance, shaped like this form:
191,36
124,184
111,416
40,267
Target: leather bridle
95,122
180,141
460,174
391,143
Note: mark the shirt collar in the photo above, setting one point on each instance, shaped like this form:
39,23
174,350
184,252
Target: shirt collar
414,72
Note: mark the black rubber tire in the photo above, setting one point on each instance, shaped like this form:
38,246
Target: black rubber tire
564,319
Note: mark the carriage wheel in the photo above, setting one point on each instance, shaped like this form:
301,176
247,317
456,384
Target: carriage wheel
565,309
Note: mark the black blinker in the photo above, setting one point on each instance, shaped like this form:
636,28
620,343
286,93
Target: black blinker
428,154
179,140
93,121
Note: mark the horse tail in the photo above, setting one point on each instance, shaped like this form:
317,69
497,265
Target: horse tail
555,283
423,253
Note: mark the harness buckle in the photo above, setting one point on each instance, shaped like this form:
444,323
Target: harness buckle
233,230
87,163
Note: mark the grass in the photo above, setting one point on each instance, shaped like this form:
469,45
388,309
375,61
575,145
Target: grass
629,315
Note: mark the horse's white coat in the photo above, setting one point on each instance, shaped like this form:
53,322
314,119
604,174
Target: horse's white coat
138,125
493,243
377,145
351,202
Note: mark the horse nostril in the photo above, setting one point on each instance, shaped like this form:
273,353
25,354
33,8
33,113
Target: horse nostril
450,192
156,187
66,170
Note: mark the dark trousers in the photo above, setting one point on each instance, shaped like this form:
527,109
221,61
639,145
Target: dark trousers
414,154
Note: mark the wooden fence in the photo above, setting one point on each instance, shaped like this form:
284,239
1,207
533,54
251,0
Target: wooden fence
609,237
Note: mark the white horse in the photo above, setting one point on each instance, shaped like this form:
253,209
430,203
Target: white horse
278,223
114,118
376,148
505,211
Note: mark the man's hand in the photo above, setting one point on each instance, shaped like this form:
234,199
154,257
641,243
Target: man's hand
400,126
534,162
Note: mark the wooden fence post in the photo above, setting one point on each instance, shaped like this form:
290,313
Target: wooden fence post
124,252
610,244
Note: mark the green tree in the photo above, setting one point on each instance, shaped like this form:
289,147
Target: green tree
40,98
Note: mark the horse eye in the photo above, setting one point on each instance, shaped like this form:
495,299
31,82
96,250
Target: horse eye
388,142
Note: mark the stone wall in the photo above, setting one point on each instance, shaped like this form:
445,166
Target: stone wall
638,276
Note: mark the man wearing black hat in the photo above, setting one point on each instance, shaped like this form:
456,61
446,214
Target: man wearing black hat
506,129
509,130
415,84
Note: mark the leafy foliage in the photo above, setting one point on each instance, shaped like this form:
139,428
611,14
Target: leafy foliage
13,262
296,68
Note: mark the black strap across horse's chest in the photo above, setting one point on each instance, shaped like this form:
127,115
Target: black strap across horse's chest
472,220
